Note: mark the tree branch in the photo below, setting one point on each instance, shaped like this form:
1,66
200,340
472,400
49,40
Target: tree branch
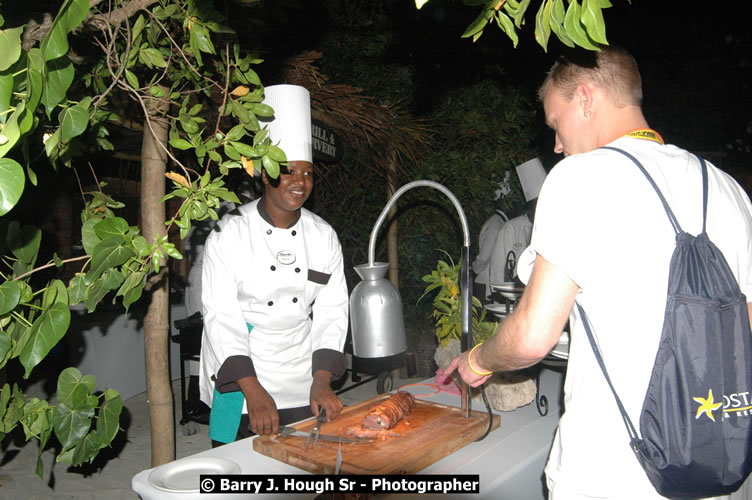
118,15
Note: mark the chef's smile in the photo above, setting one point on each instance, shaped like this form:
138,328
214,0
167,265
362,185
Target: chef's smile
293,187
297,182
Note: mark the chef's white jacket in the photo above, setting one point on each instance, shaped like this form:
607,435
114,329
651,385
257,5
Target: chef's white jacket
513,236
289,285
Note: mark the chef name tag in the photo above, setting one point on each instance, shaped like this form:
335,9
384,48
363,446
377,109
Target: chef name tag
285,257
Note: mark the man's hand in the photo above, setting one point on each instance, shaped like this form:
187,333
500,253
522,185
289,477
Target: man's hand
462,364
262,411
322,395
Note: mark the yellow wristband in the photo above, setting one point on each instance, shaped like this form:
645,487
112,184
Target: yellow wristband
470,363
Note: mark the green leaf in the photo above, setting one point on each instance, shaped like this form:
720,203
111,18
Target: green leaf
35,420
507,26
55,292
231,152
109,253
153,57
89,238
133,294
236,133
6,344
138,26
12,182
6,91
188,123
215,27
70,15
226,195
132,79
108,421
252,77
20,334
244,149
202,40
10,47
592,17
141,246
478,24
575,29
35,68
52,143
11,406
156,91
240,111
77,289
94,294
112,279
181,144
558,13
74,120
543,24
86,449
519,17
277,154
271,166
111,226
25,243
10,295
11,132
71,423
70,383
46,332
58,78
261,109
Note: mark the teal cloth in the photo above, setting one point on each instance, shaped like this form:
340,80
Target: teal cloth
224,419
226,410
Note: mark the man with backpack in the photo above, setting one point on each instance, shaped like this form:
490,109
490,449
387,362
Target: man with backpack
602,237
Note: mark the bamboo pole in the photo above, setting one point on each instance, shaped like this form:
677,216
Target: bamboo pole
156,326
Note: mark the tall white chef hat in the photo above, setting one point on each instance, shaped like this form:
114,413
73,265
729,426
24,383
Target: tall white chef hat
291,124
531,174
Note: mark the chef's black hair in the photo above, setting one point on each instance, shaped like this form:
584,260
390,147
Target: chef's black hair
275,182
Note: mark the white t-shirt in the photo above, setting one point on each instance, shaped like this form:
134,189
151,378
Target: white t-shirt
600,221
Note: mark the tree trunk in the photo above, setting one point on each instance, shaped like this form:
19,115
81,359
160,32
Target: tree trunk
391,235
156,326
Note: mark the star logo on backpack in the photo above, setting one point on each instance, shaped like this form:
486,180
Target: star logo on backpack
707,406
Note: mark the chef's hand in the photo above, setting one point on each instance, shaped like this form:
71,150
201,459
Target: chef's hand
262,411
462,364
322,395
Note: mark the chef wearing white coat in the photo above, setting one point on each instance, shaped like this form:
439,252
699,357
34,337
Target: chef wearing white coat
274,296
514,236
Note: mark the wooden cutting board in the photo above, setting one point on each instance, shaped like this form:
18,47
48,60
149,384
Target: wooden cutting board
431,432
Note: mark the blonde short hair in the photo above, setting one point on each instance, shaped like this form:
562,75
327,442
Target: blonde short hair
611,68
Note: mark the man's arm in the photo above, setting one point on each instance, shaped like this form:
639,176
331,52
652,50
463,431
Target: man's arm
529,333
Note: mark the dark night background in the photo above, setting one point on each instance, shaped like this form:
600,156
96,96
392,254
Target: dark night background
695,59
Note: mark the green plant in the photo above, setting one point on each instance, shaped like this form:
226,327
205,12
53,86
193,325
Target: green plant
152,65
447,305
579,22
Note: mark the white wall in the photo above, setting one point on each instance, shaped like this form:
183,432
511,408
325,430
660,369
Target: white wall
109,344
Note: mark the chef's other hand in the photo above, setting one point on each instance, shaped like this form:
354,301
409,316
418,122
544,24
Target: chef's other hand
262,411
322,395
460,363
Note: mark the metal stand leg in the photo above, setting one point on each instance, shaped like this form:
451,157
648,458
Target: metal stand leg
183,392
541,402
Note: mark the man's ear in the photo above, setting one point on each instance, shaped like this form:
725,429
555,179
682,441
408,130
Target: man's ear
584,96
264,178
